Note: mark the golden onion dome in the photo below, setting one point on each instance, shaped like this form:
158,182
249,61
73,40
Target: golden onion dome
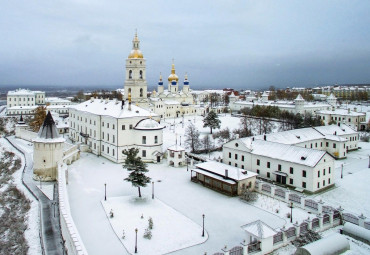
173,76
135,52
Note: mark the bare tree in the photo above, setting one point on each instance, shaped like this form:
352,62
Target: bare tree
192,137
207,144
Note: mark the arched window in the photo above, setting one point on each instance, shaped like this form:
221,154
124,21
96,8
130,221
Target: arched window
130,74
141,74
141,92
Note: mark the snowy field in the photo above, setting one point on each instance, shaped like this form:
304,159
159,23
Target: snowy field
224,215
169,226
351,192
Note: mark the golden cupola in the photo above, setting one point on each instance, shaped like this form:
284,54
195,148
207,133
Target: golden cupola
173,76
136,52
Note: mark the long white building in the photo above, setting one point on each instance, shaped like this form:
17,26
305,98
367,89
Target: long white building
305,169
25,97
109,127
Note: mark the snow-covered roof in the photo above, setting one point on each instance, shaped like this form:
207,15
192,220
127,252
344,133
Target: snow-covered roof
234,173
299,97
23,92
56,100
171,102
293,136
342,112
284,152
340,129
48,131
148,124
332,244
215,176
354,230
259,229
112,108
175,147
331,96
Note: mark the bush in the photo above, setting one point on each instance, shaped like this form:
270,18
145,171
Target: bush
148,234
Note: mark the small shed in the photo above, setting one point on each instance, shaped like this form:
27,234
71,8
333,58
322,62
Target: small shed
331,245
259,236
357,232
176,156
224,178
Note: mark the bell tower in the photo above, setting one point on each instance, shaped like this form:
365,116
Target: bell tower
135,82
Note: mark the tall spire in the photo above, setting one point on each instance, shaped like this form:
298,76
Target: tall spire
136,52
48,130
173,66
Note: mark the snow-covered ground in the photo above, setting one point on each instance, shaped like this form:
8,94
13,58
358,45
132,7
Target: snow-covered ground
352,192
170,227
224,215
33,221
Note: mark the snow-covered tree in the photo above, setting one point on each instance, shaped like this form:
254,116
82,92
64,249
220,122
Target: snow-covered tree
207,143
192,137
148,234
137,169
38,119
211,121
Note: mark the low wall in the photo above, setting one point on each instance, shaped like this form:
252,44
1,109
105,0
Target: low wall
72,239
26,135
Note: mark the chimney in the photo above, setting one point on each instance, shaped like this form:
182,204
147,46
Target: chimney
226,173
264,137
122,104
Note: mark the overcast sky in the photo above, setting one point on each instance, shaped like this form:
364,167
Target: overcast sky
239,44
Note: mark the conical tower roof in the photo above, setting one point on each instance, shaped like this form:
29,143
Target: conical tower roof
48,130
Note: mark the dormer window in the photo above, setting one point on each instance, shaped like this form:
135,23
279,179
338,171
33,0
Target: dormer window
303,158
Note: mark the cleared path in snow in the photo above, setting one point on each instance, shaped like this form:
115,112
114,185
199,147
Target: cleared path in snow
52,241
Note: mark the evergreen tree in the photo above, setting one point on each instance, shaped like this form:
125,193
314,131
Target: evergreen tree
137,169
211,121
38,118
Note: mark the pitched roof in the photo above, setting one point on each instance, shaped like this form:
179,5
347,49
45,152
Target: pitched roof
259,229
48,131
217,168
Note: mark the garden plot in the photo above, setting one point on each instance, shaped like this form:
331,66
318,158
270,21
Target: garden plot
171,229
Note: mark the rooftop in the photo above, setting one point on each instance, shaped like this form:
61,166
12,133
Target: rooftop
234,173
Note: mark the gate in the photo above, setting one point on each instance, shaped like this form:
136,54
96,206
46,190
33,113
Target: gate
312,204
326,219
350,218
280,193
278,237
336,215
315,223
327,209
295,198
290,232
237,250
303,228
266,188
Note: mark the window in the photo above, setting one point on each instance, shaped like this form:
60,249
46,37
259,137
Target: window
311,145
108,137
303,185
230,163
123,127
242,166
324,172
329,181
141,92
107,125
113,126
303,173
229,154
155,139
236,156
321,144
268,164
102,124
323,183
242,158
103,135
327,144
258,162
108,150
114,140
316,145
130,126
291,170
334,145
144,153
279,167
113,152
130,74
102,148
144,140
329,170
318,185
268,174
258,171
318,173
291,181
236,165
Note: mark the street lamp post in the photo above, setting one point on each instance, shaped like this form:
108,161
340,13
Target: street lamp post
180,140
203,225
152,190
105,191
187,163
291,212
369,161
135,240
341,171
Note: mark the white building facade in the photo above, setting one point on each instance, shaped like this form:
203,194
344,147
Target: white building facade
25,97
